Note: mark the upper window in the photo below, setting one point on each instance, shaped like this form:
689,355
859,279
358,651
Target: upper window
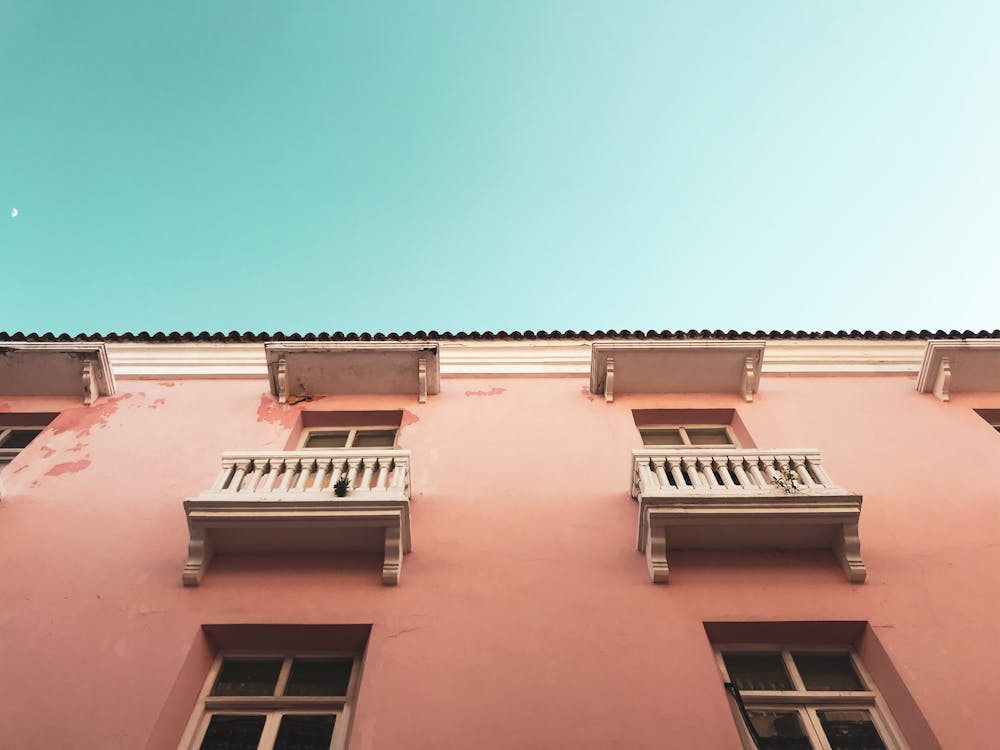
805,699
17,431
671,436
349,437
275,702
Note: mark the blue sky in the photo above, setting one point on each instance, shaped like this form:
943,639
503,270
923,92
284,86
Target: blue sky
377,166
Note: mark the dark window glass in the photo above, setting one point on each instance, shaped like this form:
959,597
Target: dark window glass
850,730
247,677
709,436
319,677
375,439
780,730
20,438
827,672
661,437
334,439
757,671
233,733
298,732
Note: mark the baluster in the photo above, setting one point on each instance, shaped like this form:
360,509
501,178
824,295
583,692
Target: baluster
366,477
383,474
722,465
307,465
273,469
708,475
691,469
647,482
400,474
755,464
223,478
770,468
674,465
659,466
352,471
241,470
741,476
822,478
337,470
322,464
258,472
800,470
289,474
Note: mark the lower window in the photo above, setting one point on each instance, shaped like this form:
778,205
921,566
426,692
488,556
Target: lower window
806,699
254,701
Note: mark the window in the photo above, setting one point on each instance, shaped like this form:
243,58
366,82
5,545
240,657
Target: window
805,699
254,701
15,437
672,436
349,437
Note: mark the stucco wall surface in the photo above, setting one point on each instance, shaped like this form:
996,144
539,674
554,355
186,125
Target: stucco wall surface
525,617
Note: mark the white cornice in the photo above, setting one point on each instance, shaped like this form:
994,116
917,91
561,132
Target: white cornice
525,358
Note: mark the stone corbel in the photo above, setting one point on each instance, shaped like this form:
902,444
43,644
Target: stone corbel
89,383
656,553
199,555
943,380
282,379
609,381
847,548
393,556
748,385
422,377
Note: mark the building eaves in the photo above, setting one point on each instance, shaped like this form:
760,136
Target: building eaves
249,337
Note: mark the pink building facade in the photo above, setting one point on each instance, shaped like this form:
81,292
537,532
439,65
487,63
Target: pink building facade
500,542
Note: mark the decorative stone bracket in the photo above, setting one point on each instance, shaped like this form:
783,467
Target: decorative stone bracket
55,369
958,366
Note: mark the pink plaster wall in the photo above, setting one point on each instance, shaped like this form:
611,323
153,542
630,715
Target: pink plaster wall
524,617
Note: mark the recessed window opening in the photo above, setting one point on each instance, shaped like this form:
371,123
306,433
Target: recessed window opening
691,428
805,699
335,430
17,431
276,701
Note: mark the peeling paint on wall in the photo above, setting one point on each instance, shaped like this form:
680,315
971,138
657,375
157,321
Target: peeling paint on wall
494,391
84,419
70,467
269,410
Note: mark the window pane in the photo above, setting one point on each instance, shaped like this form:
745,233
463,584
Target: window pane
298,732
661,437
20,438
757,671
780,730
850,730
247,677
319,677
827,672
233,733
375,439
331,439
709,436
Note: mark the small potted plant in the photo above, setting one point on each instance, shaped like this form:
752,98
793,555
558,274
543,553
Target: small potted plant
341,486
788,480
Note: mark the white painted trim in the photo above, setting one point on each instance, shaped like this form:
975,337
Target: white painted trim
539,358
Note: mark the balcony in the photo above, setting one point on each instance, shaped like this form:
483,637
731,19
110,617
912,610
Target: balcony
692,498
342,500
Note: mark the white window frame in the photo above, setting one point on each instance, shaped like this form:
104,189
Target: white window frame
276,705
9,454
682,430
808,702
352,435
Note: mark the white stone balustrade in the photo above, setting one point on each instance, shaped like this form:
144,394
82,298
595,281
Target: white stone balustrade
288,502
369,473
700,498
